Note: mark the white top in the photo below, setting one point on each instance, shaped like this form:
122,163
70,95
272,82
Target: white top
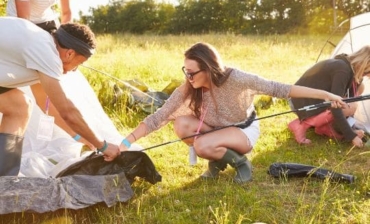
40,12
362,114
26,50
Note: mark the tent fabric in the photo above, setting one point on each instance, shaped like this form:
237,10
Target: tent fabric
84,183
362,114
356,38
37,189
39,157
62,146
33,194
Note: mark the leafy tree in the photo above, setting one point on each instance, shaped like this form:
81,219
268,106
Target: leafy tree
165,12
198,17
351,8
177,23
275,16
104,18
236,16
139,17
133,17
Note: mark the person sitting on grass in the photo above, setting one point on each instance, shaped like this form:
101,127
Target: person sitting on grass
214,96
342,76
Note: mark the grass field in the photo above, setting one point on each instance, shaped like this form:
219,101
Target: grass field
182,197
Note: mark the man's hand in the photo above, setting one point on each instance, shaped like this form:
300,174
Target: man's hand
111,152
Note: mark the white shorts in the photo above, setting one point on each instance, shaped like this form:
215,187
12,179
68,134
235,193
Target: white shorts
252,132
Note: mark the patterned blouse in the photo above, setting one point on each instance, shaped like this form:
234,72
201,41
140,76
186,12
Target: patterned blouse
233,101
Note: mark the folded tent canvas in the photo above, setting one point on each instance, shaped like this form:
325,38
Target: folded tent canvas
357,37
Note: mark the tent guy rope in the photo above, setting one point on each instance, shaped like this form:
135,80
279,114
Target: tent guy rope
119,80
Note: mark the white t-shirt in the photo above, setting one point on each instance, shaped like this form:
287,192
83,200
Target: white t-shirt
40,11
26,50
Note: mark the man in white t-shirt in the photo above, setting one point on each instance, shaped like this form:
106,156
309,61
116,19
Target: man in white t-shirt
29,55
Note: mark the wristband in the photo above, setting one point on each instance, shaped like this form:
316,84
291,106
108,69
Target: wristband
77,137
133,136
126,143
105,146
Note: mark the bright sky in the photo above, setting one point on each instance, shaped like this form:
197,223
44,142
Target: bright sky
84,5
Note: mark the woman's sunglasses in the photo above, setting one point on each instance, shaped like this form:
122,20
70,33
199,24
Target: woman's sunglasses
190,75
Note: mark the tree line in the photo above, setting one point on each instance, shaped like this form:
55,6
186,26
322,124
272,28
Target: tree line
221,16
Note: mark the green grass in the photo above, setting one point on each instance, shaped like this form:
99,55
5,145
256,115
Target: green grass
182,197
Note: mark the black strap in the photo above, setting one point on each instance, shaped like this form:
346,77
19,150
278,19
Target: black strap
248,122
48,25
4,89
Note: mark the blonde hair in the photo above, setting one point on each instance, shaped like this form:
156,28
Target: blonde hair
360,61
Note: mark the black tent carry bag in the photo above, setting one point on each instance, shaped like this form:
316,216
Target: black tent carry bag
281,170
132,163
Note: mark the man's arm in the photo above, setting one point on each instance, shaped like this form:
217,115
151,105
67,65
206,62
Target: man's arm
71,115
40,97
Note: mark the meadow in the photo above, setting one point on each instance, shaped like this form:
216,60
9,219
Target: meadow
182,197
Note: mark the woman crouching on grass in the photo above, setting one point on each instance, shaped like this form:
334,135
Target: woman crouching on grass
214,96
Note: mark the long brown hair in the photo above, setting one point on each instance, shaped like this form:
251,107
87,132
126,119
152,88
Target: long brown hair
360,61
211,63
